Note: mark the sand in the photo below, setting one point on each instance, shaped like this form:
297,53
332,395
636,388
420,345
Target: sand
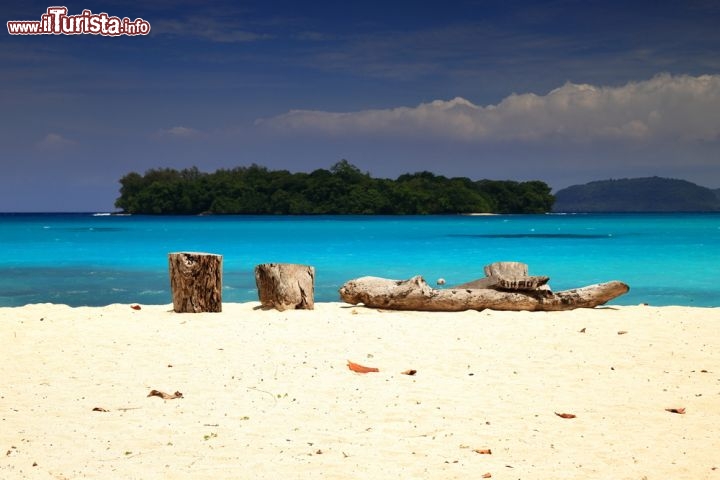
268,394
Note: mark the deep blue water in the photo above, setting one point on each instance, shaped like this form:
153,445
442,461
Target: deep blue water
81,259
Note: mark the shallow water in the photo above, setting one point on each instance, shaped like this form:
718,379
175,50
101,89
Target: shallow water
81,259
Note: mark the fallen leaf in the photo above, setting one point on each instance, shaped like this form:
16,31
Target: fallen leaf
356,367
100,409
565,415
622,332
409,372
487,475
483,451
681,411
135,307
583,330
163,395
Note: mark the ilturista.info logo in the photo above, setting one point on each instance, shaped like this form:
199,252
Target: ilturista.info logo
56,21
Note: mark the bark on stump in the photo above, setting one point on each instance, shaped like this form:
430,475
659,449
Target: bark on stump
284,286
196,282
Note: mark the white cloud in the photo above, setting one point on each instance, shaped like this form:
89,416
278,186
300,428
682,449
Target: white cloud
54,141
178,132
222,31
665,107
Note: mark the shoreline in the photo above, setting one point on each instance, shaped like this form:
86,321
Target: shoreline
269,394
256,305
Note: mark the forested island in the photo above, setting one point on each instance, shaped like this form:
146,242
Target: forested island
649,194
343,189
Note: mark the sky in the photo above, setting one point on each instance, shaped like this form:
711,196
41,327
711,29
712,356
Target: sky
561,91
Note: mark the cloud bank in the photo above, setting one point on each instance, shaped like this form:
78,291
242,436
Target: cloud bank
667,107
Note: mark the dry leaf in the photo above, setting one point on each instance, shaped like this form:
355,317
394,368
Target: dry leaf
135,307
487,475
565,415
100,409
164,396
681,411
409,372
583,330
356,367
622,332
483,451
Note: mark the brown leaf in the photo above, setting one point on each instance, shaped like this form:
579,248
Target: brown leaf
487,475
100,409
681,410
565,415
583,330
135,307
483,451
622,332
409,372
356,367
164,396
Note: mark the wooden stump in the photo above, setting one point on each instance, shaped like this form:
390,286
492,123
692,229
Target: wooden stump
514,276
196,282
285,286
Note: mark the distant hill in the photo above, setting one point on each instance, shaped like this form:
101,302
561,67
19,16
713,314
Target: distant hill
652,194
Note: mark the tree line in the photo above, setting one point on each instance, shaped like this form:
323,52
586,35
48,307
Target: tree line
343,189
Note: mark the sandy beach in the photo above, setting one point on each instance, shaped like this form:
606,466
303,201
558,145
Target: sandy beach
268,394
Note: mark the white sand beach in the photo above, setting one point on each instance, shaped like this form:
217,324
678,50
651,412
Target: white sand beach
268,394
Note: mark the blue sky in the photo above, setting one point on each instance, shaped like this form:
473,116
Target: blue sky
561,91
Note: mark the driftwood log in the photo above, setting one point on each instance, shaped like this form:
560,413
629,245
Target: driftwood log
285,286
416,294
196,282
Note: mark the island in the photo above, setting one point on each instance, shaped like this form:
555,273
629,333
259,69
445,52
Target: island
343,189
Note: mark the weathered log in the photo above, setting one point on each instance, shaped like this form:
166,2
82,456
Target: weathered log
416,294
196,282
285,286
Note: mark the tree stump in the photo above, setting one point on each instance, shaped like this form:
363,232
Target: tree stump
285,286
196,282
514,276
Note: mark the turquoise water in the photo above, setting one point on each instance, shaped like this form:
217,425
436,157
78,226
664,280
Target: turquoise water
81,259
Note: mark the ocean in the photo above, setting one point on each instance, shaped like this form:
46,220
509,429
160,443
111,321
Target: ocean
90,259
